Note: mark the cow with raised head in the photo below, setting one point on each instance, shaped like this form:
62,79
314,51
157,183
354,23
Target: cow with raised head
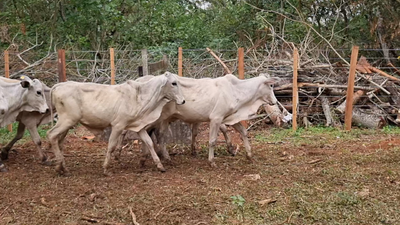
17,96
31,121
128,106
221,101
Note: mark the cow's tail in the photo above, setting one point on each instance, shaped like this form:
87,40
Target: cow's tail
51,107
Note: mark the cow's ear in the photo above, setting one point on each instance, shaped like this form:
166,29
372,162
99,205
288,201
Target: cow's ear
272,80
25,84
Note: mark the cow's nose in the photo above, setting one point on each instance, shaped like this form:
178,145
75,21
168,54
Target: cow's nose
47,110
2,112
183,102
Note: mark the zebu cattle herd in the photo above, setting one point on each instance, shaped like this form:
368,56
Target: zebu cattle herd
141,105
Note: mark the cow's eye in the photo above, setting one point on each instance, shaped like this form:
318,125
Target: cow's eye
174,84
39,92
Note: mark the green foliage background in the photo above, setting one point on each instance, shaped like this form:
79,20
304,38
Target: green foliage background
220,24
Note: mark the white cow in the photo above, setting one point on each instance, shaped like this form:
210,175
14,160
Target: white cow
221,101
131,106
17,96
31,121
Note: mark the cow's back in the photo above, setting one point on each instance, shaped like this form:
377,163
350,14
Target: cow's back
91,104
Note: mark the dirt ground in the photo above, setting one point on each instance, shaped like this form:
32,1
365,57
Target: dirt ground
310,178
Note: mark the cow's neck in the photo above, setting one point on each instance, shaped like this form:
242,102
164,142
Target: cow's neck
151,94
249,89
14,94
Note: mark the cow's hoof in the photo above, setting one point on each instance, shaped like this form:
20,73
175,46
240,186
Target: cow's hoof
60,169
107,173
142,162
3,168
213,165
4,155
47,163
250,158
161,169
232,150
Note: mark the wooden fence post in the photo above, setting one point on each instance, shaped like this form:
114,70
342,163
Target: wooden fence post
62,75
145,62
241,73
7,75
112,65
180,63
295,88
350,89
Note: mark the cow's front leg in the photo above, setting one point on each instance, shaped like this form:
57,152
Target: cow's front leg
112,144
214,127
54,135
36,139
150,147
243,133
7,148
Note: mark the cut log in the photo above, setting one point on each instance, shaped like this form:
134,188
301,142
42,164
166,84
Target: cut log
274,113
357,95
367,120
327,111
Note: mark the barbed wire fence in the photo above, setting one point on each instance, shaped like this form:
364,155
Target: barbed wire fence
323,68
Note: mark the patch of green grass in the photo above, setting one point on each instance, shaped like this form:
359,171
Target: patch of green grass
311,134
6,136
391,130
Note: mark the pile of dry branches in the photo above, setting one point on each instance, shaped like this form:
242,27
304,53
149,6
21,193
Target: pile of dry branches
322,91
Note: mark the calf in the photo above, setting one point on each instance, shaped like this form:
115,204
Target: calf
17,96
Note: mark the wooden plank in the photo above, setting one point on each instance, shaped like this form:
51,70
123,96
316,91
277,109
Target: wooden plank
62,75
241,74
145,62
7,75
295,95
350,89
112,65
241,63
180,62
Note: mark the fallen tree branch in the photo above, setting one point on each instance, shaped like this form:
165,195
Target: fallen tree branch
384,74
288,86
220,61
133,217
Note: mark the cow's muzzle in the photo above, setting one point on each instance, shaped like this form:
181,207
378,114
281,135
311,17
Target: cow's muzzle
46,110
181,102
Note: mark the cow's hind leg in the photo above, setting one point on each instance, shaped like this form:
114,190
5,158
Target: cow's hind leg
112,145
228,140
195,132
243,132
36,139
7,148
160,135
150,147
214,127
54,135
118,150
